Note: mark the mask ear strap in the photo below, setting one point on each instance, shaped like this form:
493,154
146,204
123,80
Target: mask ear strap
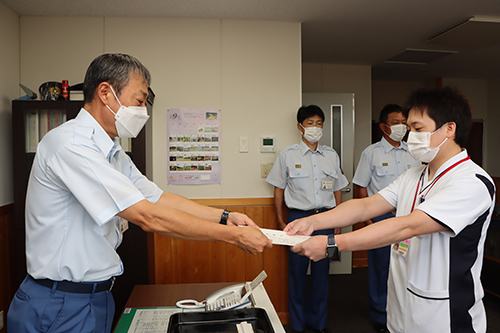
113,91
440,128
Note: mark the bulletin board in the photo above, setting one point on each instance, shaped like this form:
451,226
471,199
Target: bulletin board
193,146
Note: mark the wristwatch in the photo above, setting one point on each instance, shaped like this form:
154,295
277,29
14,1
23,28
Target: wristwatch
332,251
224,216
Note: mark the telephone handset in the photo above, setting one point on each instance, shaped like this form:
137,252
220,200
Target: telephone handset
224,299
227,298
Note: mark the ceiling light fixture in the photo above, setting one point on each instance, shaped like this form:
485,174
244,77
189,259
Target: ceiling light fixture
418,56
477,31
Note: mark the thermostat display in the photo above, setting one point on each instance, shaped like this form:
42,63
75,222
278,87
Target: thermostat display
267,145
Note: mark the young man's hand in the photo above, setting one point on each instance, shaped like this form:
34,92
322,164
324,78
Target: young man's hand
314,248
302,227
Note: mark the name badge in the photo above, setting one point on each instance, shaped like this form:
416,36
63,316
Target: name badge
327,183
123,225
402,247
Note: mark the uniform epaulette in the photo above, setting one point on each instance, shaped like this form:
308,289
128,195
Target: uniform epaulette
292,147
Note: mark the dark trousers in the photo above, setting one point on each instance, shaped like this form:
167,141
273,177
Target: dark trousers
36,308
378,273
303,311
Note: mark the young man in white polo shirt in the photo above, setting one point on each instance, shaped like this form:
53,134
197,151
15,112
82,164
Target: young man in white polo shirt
443,210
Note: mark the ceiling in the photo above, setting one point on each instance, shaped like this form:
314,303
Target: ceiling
358,32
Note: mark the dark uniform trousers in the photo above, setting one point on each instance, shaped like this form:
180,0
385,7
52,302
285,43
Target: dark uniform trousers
378,274
310,311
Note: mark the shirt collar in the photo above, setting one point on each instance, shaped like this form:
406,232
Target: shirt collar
460,156
304,148
387,146
99,137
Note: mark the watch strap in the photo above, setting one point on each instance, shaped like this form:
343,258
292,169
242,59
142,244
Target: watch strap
331,239
332,251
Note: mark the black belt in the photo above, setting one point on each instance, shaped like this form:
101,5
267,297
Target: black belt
311,211
75,287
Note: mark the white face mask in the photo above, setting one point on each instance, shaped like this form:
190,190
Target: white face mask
419,146
312,134
397,132
129,119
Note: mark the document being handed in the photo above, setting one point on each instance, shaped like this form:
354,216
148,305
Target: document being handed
279,237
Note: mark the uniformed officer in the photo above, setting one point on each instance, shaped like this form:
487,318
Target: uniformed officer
307,179
380,164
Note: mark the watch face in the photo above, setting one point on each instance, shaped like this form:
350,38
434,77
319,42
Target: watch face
332,251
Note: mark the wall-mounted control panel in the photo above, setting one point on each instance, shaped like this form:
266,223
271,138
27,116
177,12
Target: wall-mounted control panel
267,144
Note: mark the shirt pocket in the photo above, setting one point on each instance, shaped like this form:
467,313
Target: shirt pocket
299,179
328,180
427,310
331,173
385,171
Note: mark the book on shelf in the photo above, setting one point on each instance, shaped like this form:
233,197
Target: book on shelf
40,122
33,132
44,122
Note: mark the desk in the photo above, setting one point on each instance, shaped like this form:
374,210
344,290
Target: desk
161,295
153,295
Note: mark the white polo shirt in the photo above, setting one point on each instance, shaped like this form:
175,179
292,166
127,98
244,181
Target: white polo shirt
381,163
309,178
437,287
79,181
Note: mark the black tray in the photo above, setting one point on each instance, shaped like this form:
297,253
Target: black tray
220,321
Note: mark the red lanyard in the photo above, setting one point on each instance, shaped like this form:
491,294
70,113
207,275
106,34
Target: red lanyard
433,182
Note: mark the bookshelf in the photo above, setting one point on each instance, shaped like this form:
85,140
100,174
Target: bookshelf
30,121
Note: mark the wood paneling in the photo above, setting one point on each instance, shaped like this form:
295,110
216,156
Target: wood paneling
180,261
7,287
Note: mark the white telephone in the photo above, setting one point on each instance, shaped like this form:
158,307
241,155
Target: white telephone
227,298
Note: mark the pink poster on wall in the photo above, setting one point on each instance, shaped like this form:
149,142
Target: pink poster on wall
193,146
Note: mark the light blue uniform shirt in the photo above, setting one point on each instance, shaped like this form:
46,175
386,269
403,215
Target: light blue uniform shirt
308,178
381,163
79,181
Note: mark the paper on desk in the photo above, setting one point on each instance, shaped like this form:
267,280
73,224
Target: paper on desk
280,237
152,320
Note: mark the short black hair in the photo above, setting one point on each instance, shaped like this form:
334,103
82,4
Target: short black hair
389,108
114,68
443,105
309,111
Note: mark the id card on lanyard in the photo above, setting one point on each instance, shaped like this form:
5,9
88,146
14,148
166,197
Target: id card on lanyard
402,247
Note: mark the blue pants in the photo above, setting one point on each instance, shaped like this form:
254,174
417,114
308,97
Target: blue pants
378,273
36,308
303,312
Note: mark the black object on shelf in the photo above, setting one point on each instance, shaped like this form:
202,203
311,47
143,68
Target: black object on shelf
219,321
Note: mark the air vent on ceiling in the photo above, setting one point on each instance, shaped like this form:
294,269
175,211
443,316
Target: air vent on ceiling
418,57
477,31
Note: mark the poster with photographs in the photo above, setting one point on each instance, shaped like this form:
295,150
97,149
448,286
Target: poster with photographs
193,146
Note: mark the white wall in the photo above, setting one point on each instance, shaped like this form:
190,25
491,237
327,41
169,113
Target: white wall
250,70
9,90
330,78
